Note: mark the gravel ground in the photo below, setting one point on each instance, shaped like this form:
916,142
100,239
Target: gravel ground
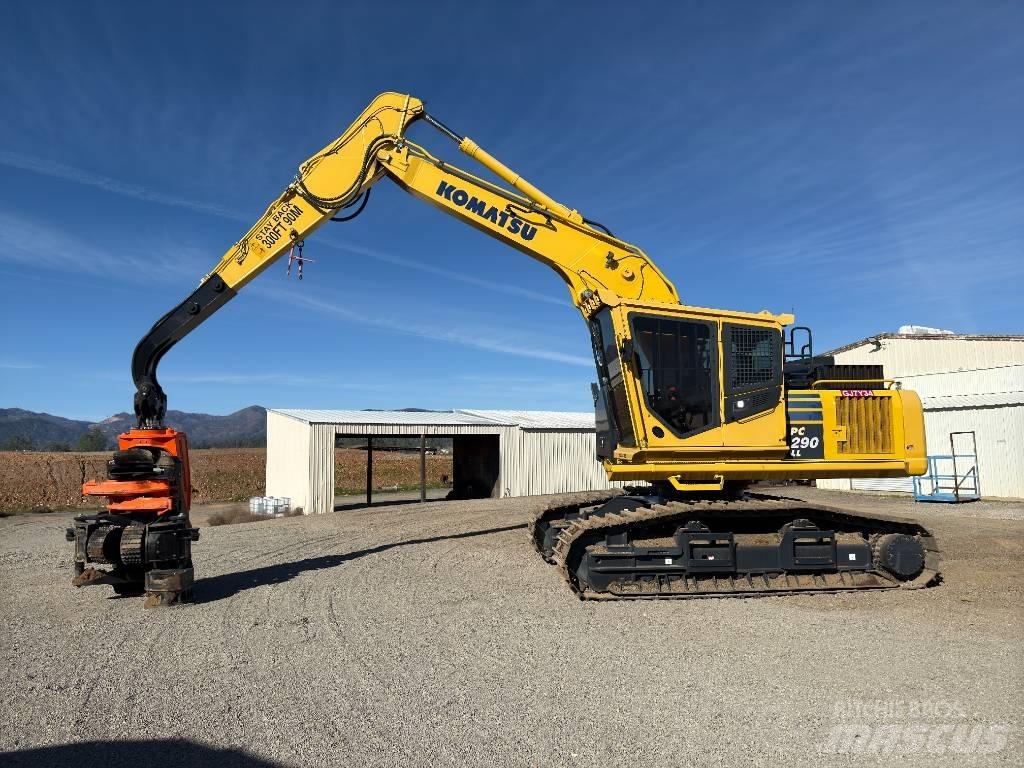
200,513
434,635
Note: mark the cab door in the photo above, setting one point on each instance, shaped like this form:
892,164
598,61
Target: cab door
674,361
753,414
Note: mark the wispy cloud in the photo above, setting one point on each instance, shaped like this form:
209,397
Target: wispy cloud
216,377
32,244
35,245
139,192
237,377
16,365
233,377
476,338
447,274
483,390
108,184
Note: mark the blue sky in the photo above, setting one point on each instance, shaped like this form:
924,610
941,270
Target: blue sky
859,163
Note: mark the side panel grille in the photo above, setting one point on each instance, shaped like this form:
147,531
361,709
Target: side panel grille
868,422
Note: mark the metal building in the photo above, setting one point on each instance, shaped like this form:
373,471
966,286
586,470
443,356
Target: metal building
967,383
495,453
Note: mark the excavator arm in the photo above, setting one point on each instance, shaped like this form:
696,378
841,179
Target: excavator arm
335,176
375,146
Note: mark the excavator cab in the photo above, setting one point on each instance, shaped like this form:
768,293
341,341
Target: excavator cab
696,397
687,379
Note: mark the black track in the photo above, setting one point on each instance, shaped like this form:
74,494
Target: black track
636,547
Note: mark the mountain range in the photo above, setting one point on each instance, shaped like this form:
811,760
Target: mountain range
244,428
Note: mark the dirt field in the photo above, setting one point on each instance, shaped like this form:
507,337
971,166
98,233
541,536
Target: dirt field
434,635
47,481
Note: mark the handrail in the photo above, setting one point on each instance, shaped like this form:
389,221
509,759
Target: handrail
854,381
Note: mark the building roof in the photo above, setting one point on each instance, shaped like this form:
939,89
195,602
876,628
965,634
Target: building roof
461,417
988,400
927,337
410,418
539,419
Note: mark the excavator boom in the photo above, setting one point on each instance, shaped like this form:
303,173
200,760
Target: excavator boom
690,401
375,147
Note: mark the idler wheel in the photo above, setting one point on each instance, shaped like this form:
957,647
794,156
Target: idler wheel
899,554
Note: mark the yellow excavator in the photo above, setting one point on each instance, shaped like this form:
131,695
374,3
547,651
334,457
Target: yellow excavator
692,404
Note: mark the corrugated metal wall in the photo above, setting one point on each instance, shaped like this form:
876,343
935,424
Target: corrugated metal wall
999,431
300,458
888,484
1000,435
537,461
936,368
288,443
410,430
321,468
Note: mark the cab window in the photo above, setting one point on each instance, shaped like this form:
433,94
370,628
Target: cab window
678,371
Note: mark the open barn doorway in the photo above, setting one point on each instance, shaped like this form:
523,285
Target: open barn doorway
391,469
402,468
476,467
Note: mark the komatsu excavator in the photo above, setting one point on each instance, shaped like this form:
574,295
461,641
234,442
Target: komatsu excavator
691,404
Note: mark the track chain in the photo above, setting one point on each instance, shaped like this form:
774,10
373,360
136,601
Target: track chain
567,506
572,541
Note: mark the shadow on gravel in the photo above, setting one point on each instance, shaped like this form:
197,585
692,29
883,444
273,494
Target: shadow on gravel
384,501
112,754
215,588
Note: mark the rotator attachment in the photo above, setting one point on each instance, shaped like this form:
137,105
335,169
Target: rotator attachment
144,535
